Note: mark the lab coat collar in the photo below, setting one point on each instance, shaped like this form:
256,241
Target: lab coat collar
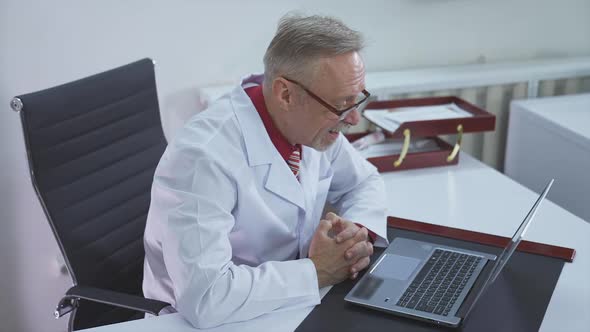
257,146
260,149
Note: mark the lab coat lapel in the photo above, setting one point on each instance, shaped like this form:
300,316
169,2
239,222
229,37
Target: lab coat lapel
261,151
282,182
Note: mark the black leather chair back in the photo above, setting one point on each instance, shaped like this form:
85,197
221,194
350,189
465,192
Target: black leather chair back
93,146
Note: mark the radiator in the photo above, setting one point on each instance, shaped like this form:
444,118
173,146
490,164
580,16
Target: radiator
490,86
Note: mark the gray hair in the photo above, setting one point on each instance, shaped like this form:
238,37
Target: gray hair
300,41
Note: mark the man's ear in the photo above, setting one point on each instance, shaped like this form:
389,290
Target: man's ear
282,93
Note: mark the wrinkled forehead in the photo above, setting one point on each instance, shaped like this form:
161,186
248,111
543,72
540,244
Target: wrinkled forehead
339,76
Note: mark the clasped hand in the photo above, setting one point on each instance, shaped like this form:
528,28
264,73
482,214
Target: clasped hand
339,249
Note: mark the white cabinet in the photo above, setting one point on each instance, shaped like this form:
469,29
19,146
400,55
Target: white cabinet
550,138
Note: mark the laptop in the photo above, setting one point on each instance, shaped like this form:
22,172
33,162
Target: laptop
428,281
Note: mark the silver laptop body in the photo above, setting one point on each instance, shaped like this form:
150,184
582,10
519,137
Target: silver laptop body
429,282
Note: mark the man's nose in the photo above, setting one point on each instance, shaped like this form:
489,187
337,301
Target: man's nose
352,118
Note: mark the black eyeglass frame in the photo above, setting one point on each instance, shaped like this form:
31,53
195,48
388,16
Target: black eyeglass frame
340,113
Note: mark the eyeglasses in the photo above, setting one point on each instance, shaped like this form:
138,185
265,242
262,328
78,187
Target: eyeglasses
341,113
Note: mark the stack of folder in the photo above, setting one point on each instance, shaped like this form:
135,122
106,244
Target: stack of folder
411,128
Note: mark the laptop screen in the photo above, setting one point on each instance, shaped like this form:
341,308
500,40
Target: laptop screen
518,235
512,244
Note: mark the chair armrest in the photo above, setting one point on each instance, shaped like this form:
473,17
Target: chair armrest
133,302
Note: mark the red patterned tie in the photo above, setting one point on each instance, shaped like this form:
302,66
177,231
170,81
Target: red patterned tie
293,162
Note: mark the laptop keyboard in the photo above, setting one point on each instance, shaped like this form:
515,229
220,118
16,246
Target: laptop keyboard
440,282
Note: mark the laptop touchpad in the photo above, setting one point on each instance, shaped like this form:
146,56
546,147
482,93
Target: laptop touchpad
396,267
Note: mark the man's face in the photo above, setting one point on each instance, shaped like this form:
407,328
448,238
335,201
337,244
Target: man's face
338,81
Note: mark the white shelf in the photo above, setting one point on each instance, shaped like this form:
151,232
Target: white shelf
384,83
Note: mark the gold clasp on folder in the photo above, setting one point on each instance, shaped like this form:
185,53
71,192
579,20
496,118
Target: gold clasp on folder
457,146
405,148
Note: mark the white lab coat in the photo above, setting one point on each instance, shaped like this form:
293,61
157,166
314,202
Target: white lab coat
228,218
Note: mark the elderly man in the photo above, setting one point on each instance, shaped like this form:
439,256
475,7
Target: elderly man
235,228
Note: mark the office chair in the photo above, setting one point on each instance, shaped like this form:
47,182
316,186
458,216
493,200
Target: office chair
93,146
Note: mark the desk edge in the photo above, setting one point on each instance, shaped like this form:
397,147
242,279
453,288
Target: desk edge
566,254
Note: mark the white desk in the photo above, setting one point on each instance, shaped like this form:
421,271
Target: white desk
550,137
471,196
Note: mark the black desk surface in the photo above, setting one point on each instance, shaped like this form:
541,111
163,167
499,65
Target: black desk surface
516,301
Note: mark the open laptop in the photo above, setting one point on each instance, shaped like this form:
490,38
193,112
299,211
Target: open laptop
429,282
